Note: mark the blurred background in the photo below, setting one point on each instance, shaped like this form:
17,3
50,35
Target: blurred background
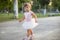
11,9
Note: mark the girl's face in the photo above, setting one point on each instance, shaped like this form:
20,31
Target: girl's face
27,8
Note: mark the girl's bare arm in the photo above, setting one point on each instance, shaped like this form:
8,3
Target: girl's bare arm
34,15
22,19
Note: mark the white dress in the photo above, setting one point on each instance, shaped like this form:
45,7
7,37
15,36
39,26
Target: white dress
29,22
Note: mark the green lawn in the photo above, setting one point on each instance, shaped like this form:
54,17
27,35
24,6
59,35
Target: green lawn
6,17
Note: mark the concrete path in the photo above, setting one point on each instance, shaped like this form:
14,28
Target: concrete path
48,29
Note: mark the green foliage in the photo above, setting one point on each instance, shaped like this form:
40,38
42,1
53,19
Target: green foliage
56,4
7,4
43,3
23,1
40,4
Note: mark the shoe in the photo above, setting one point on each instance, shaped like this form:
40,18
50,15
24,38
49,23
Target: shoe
30,37
25,38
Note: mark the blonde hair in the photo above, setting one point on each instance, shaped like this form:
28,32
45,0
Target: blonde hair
27,4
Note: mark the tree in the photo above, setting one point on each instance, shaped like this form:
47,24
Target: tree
56,4
43,3
6,5
10,4
16,8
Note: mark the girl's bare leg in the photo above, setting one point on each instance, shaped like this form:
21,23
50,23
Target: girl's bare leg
29,34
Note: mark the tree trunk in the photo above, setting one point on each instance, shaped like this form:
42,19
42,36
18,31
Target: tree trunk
16,9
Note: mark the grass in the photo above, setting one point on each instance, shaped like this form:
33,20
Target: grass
6,17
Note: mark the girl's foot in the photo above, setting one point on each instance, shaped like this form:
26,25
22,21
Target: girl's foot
25,38
30,37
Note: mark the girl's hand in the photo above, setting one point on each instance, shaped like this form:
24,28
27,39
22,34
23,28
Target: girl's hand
36,21
20,20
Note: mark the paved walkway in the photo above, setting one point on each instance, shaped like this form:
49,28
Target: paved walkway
48,29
